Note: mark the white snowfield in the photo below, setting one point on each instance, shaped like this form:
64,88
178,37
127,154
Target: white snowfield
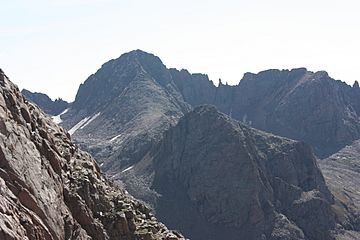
114,138
57,119
90,120
83,123
127,169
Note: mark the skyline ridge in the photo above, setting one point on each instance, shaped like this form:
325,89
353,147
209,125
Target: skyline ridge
214,81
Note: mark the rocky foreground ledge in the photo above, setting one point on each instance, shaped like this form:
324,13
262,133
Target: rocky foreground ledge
49,189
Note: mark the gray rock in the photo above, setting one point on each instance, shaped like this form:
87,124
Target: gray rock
45,103
127,105
298,104
342,174
229,181
49,189
284,229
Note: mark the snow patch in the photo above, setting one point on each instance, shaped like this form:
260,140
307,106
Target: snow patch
83,123
78,125
114,138
127,169
90,120
57,119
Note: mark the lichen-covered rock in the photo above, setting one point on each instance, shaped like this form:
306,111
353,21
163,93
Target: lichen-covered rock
52,190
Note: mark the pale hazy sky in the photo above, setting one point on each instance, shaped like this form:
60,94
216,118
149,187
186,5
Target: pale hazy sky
52,46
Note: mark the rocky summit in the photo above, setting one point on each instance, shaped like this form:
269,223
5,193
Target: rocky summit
45,103
121,111
215,178
52,190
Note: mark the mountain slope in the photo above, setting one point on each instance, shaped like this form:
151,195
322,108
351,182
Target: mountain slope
123,109
214,174
45,103
342,174
52,190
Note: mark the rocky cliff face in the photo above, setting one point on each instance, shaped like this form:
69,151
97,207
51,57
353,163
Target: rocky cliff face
298,104
342,174
45,103
121,111
52,190
233,182
301,105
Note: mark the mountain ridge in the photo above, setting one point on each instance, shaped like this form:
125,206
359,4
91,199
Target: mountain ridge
271,100
49,106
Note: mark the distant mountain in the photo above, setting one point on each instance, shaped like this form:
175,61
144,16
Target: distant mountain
122,110
298,104
215,178
137,97
52,190
45,103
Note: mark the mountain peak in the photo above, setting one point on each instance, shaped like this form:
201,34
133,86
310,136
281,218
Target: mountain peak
321,74
142,56
115,75
139,52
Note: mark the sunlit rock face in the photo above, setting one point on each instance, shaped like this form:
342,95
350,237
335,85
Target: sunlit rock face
52,190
